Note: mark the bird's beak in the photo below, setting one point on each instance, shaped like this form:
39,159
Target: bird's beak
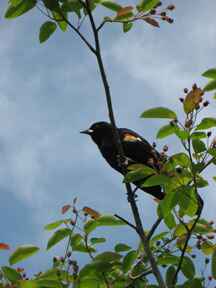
88,131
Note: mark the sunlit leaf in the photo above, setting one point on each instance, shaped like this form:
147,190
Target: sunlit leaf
18,10
111,5
156,180
166,131
138,174
11,274
159,112
146,5
206,123
22,252
58,236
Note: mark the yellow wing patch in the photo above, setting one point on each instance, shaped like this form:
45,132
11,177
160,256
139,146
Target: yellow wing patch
131,138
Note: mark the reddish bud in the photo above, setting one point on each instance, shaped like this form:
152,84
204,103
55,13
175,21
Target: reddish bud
170,20
194,87
163,13
181,99
152,12
171,7
206,103
186,90
210,278
165,148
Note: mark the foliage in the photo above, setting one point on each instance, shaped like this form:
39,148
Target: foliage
186,235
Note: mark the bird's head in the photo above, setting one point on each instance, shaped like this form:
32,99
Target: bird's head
98,131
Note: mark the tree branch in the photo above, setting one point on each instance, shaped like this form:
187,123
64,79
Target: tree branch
154,227
131,198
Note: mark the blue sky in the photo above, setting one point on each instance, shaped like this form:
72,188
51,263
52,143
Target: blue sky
49,92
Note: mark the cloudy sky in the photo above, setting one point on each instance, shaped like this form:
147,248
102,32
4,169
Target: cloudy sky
49,92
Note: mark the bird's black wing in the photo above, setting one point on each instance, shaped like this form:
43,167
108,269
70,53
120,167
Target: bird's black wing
138,149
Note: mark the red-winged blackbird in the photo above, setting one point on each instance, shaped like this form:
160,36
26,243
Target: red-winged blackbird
136,150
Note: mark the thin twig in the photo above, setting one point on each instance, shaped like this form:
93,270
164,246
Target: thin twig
189,234
154,227
126,221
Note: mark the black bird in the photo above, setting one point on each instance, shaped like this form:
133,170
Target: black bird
136,150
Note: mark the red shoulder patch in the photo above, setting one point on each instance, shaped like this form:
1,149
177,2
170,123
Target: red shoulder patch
131,138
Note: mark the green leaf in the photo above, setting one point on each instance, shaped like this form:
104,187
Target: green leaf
167,259
159,236
198,135
94,269
198,146
188,268
15,2
72,6
121,247
159,112
211,73
22,252
182,134
156,180
90,226
11,274
170,273
127,26
207,248
28,284
213,264
165,131
212,152
138,174
108,256
53,225
128,260
46,30
214,178
109,220
181,159
111,5
51,4
194,283
96,240
169,220
58,236
210,86
147,5
104,220
14,11
206,123
61,22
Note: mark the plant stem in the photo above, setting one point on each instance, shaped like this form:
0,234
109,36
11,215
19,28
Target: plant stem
131,198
